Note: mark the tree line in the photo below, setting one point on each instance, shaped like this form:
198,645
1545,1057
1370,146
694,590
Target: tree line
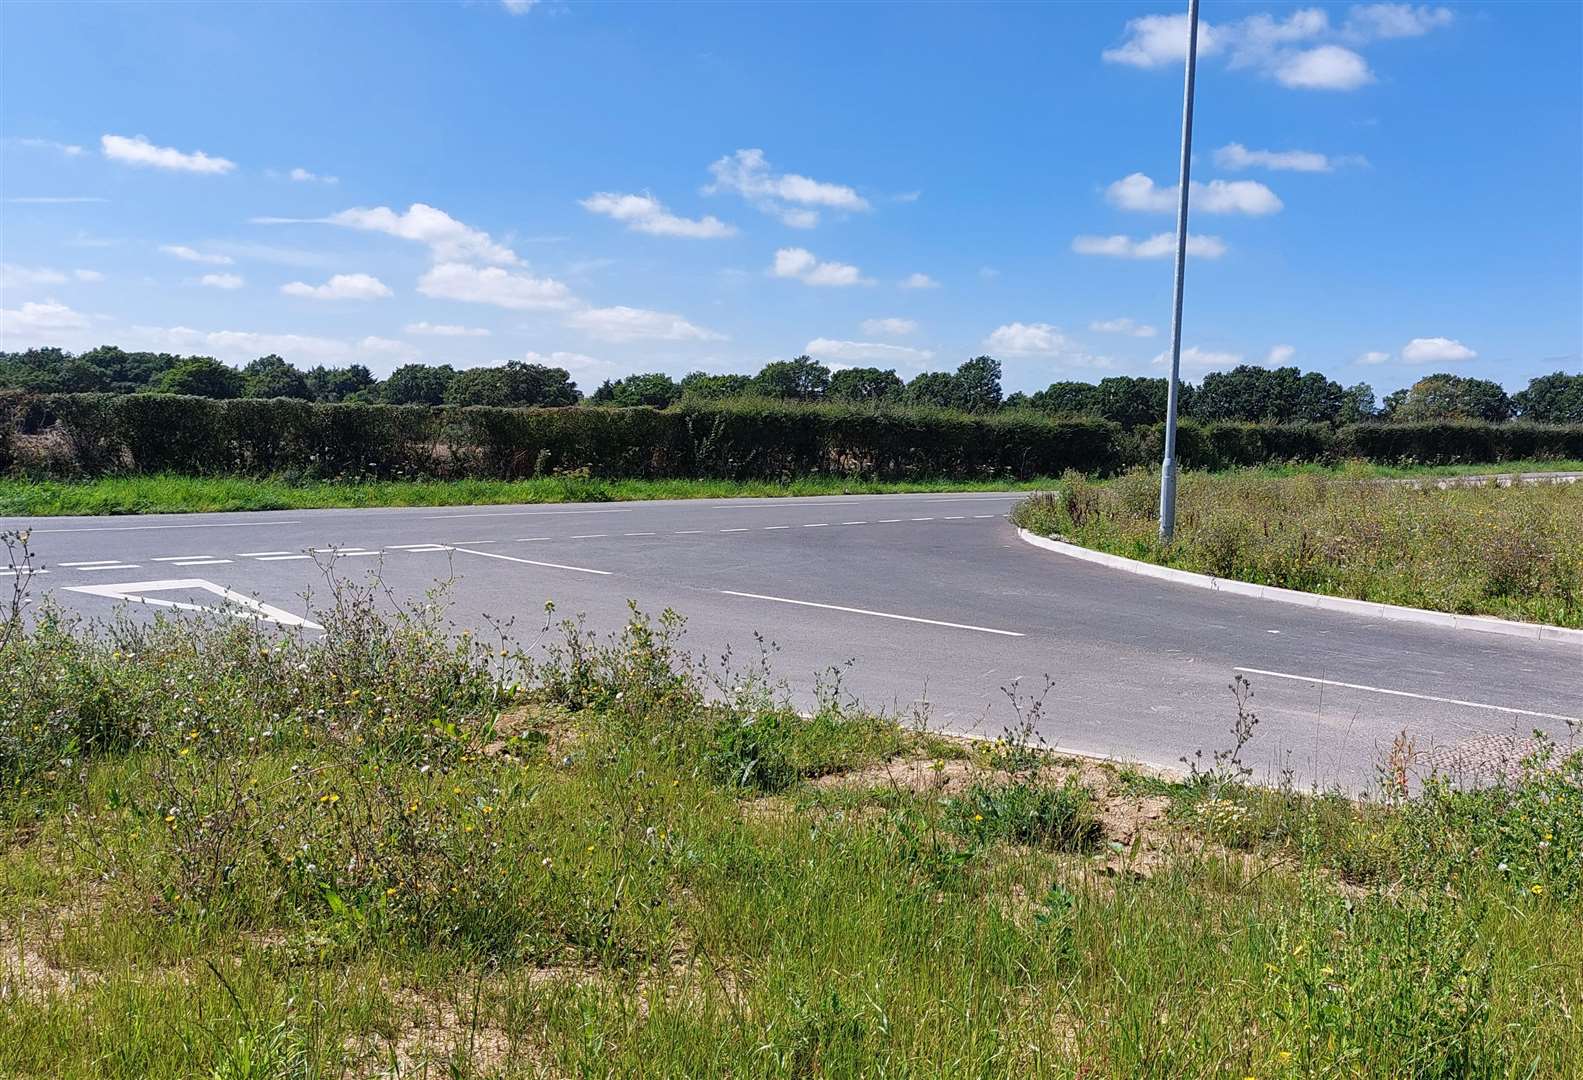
1245,393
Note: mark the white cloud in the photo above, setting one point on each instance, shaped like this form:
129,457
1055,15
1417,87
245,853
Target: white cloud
1280,354
1325,67
182,251
1139,192
492,285
855,352
1158,246
519,7
919,281
139,151
1375,358
1028,339
303,176
1157,40
1373,22
340,287
1436,349
889,328
1237,156
222,281
1197,359
69,149
794,199
87,275
240,346
646,214
37,322
802,265
13,276
450,240
1122,326
444,330
624,324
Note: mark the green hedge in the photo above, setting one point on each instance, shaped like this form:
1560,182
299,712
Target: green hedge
93,434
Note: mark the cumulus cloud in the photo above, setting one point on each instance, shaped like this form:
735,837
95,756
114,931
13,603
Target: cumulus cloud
444,330
802,265
646,214
340,287
68,149
1280,354
1122,326
1237,156
222,281
919,281
1139,192
1437,350
1302,50
1028,339
137,150
493,285
448,239
38,322
303,176
13,276
623,324
1375,357
1158,246
862,352
795,199
519,7
182,251
1197,359
889,328
240,346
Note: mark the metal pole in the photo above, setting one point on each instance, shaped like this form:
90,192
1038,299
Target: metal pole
1168,466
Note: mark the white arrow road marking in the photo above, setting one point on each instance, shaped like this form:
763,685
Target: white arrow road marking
243,607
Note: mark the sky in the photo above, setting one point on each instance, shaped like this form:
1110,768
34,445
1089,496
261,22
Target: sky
1380,191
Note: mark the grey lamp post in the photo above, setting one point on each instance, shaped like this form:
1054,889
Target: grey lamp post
1168,466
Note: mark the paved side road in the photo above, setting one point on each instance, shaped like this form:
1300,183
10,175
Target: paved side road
923,601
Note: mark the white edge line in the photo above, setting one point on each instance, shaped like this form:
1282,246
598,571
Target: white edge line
1409,694
1390,612
196,525
877,614
534,562
528,513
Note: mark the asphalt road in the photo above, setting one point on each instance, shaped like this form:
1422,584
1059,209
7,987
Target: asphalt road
931,598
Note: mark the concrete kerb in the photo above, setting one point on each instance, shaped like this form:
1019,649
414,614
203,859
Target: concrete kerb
1393,612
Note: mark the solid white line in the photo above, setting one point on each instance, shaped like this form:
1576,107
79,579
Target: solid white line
198,562
256,554
178,558
527,513
1409,694
281,558
531,562
877,614
91,562
733,530
198,525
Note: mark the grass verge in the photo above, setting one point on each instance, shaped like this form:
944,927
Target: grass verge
1515,552
407,850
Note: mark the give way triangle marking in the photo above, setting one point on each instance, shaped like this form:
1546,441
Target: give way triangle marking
243,607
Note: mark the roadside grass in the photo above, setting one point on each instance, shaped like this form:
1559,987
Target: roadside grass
403,850
1514,552
170,494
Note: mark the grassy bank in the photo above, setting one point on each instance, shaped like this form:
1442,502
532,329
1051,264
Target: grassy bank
169,494
398,851
1516,552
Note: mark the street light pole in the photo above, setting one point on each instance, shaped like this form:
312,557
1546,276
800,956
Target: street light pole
1168,466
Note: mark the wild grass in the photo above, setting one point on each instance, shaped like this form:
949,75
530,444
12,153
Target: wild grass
1513,552
170,494
227,851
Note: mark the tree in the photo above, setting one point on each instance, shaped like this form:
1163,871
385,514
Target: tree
1453,397
939,389
657,390
514,384
340,384
801,379
701,384
865,384
1067,399
1271,395
978,384
271,377
417,384
203,377
1357,404
1552,399
1129,400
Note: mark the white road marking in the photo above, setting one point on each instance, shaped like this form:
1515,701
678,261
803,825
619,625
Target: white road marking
527,513
638,534
854,523
91,562
530,539
474,543
25,572
281,558
111,566
816,525
244,607
589,536
772,528
257,554
531,562
197,525
1409,694
688,532
342,551
198,562
993,515
876,614
953,517
733,530
921,519
423,549
888,521
178,558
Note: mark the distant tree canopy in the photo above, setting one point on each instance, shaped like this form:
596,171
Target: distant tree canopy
1244,393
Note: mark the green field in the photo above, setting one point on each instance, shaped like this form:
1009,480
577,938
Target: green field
1514,552
399,851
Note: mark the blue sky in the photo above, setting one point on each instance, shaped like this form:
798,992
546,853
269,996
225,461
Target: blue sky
1388,189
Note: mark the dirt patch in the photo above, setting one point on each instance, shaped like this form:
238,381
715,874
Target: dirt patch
918,776
528,730
28,971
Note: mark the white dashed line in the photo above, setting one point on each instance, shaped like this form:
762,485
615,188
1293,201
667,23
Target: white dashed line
590,536
772,528
25,573
733,530
530,539
260,554
921,519
688,532
112,566
985,515
816,525
281,558
638,534
953,517
531,562
178,558
198,562
1409,694
474,543
876,614
854,523
92,562
887,521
